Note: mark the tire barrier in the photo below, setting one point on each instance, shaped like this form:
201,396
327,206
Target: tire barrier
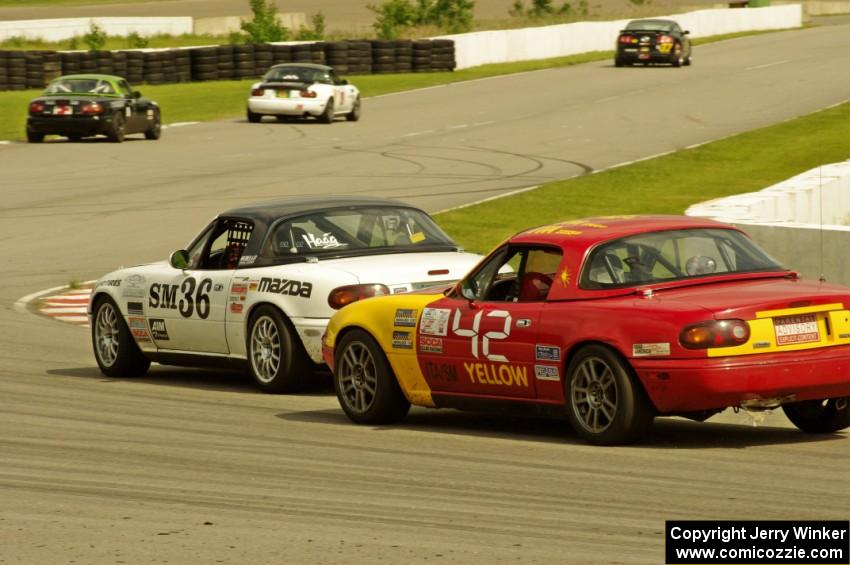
20,70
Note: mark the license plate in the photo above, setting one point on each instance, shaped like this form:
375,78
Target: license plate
791,330
62,110
283,94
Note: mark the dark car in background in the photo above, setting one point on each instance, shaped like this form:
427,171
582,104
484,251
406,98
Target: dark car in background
653,41
77,106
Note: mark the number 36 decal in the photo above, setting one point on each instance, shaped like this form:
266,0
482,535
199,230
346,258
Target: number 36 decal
195,297
487,337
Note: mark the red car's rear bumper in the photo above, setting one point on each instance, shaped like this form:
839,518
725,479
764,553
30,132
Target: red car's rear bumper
681,385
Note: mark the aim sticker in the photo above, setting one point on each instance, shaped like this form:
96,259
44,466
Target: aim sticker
402,340
435,321
547,353
650,349
546,373
158,329
405,318
428,344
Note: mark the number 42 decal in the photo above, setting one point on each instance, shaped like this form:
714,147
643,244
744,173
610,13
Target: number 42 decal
487,337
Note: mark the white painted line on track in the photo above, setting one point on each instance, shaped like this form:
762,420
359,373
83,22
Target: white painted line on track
427,131
460,126
180,125
767,65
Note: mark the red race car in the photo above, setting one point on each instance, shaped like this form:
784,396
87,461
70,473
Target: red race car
612,320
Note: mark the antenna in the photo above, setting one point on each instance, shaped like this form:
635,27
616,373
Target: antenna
820,206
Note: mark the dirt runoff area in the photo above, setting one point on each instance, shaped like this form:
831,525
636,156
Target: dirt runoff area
346,15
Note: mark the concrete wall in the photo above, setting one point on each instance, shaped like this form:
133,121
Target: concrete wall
817,8
804,222
226,24
62,29
480,48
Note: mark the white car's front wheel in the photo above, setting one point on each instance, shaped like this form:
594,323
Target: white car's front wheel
115,351
327,117
275,358
354,114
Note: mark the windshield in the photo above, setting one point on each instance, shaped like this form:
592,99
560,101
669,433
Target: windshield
673,255
298,74
333,231
649,25
80,86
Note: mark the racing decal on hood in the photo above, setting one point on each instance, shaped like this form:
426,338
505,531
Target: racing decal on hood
158,329
435,321
428,344
405,318
402,340
547,353
546,373
285,286
647,349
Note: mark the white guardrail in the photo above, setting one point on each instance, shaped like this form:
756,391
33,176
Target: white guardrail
66,28
804,222
484,47
471,49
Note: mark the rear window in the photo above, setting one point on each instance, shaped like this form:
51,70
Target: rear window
298,74
649,25
367,229
673,255
80,86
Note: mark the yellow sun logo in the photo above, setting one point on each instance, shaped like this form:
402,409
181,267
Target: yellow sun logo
565,277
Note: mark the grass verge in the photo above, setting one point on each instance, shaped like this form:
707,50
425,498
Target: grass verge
744,163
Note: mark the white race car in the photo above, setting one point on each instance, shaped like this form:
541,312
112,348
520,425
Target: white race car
258,285
303,89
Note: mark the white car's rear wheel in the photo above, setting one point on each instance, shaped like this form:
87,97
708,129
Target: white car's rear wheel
274,356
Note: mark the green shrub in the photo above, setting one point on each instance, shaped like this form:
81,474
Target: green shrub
315,32
264,27
136,41
452,16
95,39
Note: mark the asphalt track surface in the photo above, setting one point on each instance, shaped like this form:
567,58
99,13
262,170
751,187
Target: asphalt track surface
196,466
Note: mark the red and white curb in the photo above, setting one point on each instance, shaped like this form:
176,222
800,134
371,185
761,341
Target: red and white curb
61,303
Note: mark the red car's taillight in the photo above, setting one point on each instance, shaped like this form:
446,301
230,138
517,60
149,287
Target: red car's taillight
307,94
258,92
36,108
345,295
715,333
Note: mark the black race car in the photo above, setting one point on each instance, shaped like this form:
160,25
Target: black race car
77,106
653,41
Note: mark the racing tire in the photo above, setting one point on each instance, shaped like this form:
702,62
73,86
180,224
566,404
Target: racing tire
618,62
34,137
253,117
275,358
677,58
365,384
819,416
155,130
356,111
115,351
605,402
327,117
688,61
117,129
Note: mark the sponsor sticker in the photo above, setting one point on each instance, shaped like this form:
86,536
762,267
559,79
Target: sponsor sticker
134,286
399,289
523,323
110,282
239,288
218,287
136,322
428,344
547,353
236,308
546,373
648,349
247,259
325,241
402,340
440,372
285,286
252,285
140,334
405,317
435,321
158,329
135,308
417,237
